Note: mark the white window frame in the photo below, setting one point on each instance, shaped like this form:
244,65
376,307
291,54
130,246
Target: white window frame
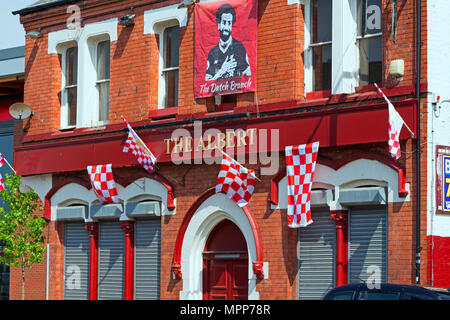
64,125
309,48
87,39
92,79
364,37
155,22
162,83
345,58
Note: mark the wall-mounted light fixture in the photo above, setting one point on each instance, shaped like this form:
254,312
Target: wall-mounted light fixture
186,3
128,19
34,34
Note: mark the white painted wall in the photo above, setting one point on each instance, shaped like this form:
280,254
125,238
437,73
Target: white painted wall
439,120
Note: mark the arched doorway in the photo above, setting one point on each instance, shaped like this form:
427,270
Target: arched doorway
225,264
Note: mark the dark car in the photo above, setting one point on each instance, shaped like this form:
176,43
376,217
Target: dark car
386,291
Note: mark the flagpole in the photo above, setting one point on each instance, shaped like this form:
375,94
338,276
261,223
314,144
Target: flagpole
253,173
10,165
387,100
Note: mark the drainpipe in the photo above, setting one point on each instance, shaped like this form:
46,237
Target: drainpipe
418,204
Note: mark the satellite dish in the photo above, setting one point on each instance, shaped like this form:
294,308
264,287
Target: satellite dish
20,111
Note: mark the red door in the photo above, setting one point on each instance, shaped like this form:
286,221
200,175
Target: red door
225,262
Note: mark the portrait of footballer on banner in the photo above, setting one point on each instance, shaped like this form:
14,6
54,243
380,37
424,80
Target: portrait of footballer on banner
225,47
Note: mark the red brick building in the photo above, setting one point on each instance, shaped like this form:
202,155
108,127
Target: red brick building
170,236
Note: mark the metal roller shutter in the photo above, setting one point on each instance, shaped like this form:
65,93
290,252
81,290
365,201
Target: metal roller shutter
367,243
147,259
76,262
111,261
316,264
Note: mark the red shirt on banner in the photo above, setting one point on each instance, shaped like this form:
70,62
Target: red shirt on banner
225,47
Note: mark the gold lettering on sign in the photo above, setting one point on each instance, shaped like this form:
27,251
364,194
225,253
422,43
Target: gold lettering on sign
230,139
167,141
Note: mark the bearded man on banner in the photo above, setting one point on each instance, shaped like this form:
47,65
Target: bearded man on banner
228,59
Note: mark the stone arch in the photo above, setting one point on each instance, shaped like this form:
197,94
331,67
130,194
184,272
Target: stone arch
206,213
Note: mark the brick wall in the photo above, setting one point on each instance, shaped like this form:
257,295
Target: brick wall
35,277
134,60
134,87
279,242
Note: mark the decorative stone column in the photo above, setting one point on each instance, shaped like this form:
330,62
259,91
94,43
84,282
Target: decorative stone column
128,229
92,228
341,219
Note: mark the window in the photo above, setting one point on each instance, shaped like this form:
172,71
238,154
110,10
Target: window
102,82
169,72
348,33
320,46
369,41
378,295
344,295
69,94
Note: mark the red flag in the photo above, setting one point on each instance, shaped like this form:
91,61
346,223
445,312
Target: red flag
143,154
2,160
225,47
396,123
300,167
235,180
102,182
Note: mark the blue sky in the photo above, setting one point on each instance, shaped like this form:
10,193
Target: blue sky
11,31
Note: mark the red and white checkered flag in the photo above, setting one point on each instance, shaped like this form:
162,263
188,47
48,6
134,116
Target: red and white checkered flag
396,123
235,180
300,166
143,154
2,183
102,182
2,160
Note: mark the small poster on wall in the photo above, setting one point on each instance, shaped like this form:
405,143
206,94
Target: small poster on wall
225,47
443,179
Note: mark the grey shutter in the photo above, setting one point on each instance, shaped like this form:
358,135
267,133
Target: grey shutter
147,259
111,261
367,243
316,264
76,258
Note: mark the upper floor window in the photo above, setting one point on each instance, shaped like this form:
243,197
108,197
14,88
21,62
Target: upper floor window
343,44
369,39
169,73
321,44
70,90
102,83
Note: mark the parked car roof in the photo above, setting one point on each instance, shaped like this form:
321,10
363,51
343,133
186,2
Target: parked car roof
438,293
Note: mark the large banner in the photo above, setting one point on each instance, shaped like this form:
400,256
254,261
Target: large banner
225,47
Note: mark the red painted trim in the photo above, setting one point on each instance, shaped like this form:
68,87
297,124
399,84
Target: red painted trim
128,228
47,209
438,261
55,188
274,185
4,108
335,165
322,100
163,113
341,219
331,126
122,181
361,93
92,227
176,265
318,94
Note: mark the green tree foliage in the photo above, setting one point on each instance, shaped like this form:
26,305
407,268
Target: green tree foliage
21,230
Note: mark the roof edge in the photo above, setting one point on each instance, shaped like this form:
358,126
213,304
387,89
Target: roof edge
44,6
